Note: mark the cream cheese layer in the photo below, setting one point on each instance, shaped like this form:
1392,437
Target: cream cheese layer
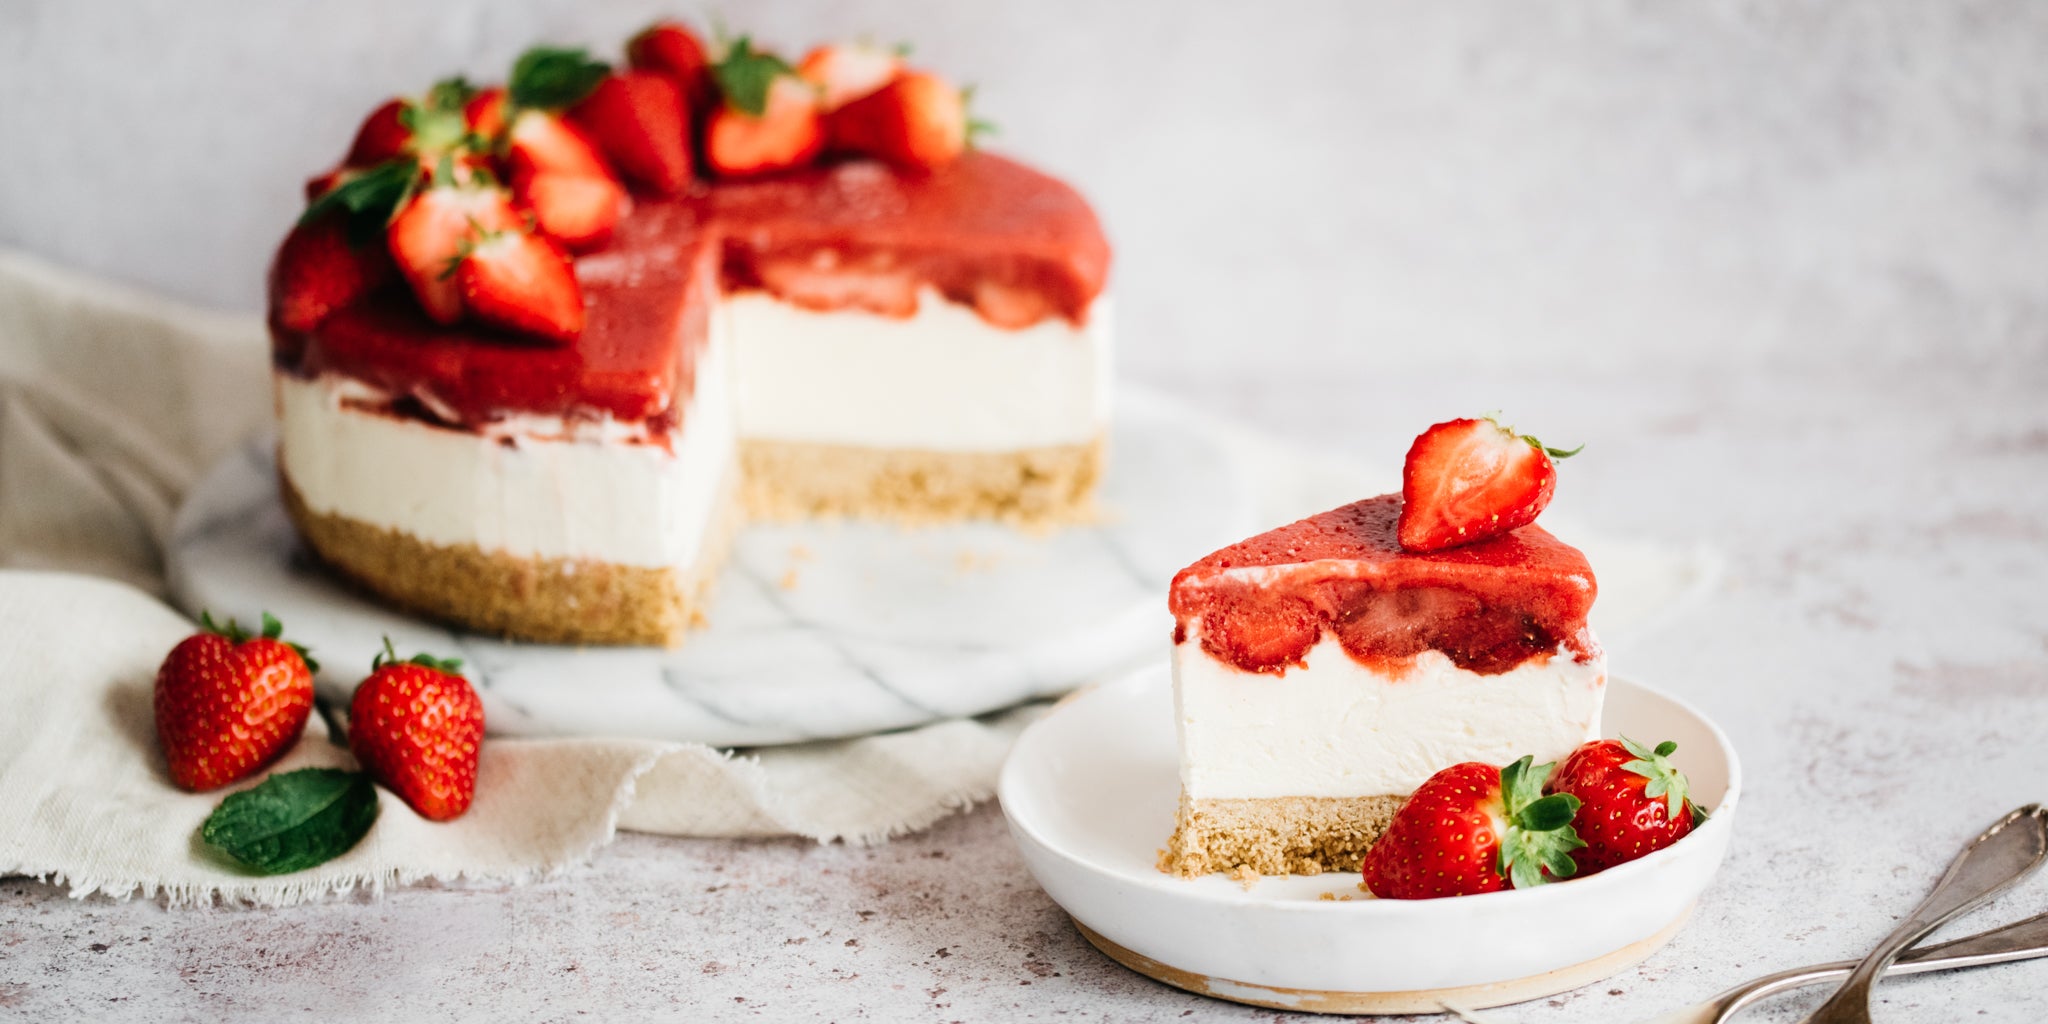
1340,728
942,379
531,487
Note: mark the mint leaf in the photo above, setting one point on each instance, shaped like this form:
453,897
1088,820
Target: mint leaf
294,820
368,199
745,75
549,78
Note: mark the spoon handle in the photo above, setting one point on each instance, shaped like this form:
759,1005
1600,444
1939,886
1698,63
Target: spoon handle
2005,853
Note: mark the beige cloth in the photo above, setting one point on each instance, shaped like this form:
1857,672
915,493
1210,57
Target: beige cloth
112,403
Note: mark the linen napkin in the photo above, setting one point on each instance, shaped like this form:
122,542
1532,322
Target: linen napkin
113,403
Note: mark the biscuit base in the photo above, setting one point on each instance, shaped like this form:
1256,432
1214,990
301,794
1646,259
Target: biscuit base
1290,835
1031,488
548,600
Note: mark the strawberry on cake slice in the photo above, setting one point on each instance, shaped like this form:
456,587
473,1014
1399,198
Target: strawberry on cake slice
1324,670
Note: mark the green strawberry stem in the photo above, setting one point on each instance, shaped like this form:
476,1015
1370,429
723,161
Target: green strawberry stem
1665,778
272,630
1539,841
744,76
389,656
551,78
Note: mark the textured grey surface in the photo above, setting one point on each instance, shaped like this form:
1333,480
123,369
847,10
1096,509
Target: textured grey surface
1877,653
1779,264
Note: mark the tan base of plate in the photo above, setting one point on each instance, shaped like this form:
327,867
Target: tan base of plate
1435,1000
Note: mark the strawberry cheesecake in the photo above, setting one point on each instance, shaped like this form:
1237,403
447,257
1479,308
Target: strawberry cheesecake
1323,671
539,349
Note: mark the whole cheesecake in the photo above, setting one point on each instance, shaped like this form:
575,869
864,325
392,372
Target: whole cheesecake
843,332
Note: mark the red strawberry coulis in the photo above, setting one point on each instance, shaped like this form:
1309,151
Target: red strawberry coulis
983,231
1488,606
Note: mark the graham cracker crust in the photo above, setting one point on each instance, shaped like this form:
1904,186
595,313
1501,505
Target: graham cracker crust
547,600
1289,835
1030,488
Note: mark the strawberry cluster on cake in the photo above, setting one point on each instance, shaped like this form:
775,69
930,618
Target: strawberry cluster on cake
1324,670
538,348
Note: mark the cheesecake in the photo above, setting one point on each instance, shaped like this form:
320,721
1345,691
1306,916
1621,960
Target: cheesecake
1321,673
590,337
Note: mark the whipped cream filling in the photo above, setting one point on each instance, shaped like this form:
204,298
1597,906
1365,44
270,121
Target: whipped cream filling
1338,728
942,379
531,486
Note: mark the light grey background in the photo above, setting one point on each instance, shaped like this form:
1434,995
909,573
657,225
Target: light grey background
1601,183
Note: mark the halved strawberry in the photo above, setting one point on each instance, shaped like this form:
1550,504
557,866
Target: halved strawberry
1474,828
429,233
522,282
1467,480
844,72
669,49
542,141
485,113
637,119
319,269
769,120
580,211
916,122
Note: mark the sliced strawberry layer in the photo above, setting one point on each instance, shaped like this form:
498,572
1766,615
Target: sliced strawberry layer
1487,606
984,231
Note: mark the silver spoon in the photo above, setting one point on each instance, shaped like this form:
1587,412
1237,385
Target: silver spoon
2007,852
2021,940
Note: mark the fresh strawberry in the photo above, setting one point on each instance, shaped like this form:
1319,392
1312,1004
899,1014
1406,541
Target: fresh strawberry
420,128
578,211
521,282
1475,828
844,72
673,51
769,120
228,703
382,136
916,122
1467,480
1632,800
544,142
417,727
319,269
429,232
637,119
484,114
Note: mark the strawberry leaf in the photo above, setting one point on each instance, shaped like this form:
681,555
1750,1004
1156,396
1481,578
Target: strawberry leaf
1539,840
389,656
368,199
551,78
1665,779
745,75
294,820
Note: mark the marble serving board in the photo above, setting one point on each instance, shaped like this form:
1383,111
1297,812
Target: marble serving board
816,630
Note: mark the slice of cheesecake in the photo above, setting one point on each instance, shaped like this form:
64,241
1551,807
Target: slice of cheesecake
1321,673
917,347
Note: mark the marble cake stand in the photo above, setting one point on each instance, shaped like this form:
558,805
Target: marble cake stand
817,630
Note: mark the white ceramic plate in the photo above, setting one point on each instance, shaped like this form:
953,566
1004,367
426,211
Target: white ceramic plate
816,630
1090,791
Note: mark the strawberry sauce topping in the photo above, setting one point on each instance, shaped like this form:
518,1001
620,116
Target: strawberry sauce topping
984,231
1263,603
636,354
